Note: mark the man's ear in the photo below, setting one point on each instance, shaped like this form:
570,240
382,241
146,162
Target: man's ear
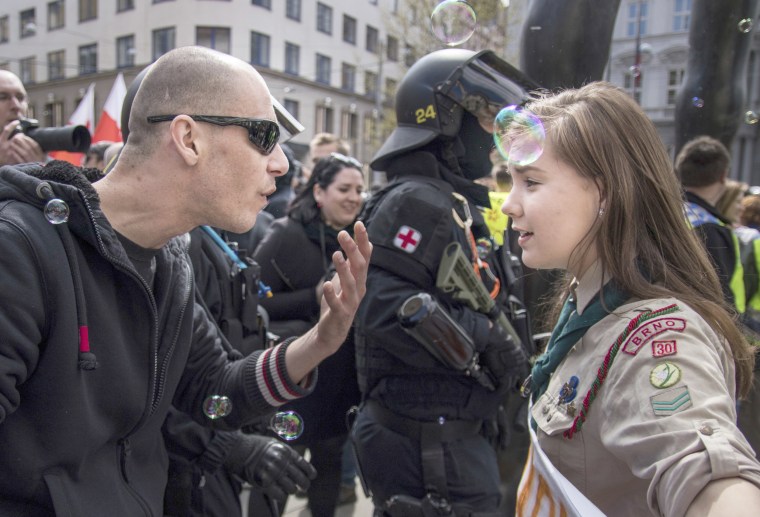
186,138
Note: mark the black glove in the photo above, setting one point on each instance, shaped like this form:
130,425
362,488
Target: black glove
270,465
504,360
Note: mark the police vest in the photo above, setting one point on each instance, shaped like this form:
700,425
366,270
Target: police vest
697,217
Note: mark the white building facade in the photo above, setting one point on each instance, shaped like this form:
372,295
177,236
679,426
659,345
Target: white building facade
663,54
325,60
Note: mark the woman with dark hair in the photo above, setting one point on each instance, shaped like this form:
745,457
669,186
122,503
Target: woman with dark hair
295,259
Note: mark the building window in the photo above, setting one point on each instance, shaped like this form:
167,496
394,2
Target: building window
348,77
349,123
125,51
124,5
292,58
27,69
88,10
266,4
349,29
259,49
675,78
53,114
637,13
324,64
88,59
164,40
373,39
27,23
633,85
390,89
217,38
410,55
293,10
370,84
370,126
324,18
292,106
681,15
5,28
55,64
392,49
56,15
324,119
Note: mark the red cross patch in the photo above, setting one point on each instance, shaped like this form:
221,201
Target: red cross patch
407,239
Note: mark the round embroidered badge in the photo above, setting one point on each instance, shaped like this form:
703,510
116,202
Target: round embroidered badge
665,375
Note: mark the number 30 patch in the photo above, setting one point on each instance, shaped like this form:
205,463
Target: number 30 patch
663,348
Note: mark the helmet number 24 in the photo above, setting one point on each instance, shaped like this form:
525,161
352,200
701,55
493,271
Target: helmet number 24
424,114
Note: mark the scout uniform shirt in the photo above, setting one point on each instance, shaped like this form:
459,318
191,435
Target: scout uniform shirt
661,422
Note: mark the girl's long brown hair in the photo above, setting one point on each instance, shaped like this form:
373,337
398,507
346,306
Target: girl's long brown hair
603,134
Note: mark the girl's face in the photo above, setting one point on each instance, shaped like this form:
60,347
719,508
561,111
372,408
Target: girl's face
553,208
341,200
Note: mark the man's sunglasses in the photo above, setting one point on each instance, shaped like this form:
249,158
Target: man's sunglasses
264,134
346,160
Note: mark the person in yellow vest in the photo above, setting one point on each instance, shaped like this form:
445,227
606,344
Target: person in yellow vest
495,219
702,165
634,401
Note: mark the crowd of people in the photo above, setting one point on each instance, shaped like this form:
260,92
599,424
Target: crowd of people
159,312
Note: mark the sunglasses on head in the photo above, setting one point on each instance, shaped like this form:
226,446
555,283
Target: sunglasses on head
264,134
346,160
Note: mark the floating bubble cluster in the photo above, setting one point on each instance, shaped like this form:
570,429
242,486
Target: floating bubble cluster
56,211
217,406
453,22
288,425
519,135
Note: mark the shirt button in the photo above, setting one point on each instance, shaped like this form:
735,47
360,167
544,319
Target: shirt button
706,430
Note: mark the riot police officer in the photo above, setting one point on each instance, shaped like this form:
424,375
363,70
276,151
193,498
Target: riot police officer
425,432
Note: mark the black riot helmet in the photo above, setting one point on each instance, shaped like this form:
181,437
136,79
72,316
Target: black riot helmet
439,88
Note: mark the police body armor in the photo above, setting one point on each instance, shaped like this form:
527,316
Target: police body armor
411,223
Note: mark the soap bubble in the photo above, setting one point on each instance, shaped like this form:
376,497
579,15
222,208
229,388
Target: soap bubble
453,22
519,135
744,25
751,118
217,406
56,211
288,425
697,102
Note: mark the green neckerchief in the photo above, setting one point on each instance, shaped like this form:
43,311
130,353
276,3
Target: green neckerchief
569,330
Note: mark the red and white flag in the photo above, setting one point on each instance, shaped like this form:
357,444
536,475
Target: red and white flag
84,115
109,125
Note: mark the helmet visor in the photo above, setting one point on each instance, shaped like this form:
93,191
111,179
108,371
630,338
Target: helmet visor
485,84
289,125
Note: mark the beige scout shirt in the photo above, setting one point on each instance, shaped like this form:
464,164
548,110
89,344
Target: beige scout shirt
663,423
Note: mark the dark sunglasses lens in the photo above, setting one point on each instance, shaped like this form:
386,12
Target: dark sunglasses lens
264,134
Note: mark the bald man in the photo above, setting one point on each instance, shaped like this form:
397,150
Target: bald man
101,330
17,148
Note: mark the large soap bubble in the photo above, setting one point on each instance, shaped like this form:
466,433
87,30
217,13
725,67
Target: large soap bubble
453,22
